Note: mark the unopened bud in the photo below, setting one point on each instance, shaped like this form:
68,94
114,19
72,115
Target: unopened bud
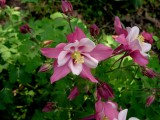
105,91
47,42
25,29
74,93
150,100
149,73
2,3
48,107
45,67
66,7
148,37
94,30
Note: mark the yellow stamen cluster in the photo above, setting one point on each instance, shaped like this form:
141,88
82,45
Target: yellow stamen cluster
105,118
141,38
78,58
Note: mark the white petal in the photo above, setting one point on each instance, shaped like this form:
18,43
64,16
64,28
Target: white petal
145,46
122,114
75,68
90,61
86,45
133,33
71,45
63,57
133,118
128,29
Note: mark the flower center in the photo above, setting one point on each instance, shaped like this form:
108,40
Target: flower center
105,118
140,38
78,58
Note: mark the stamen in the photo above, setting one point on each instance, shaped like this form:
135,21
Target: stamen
105,118
141,38
78,58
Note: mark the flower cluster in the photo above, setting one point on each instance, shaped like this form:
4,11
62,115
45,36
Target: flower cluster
80,54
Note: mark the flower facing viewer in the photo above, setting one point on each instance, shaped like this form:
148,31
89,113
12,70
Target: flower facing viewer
78,56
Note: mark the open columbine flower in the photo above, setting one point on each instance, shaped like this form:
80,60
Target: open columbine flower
77,56
132,42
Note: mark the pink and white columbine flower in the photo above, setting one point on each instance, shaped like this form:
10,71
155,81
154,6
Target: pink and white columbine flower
77,56
108,111
132,42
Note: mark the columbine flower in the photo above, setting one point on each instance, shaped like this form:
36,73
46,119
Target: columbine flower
94,30
66,7
74,93
77,56
2,3
108,111
150,100
25,29
132,42
105,91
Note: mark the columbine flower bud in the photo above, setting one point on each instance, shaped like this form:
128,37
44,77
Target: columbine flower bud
25,29
66,7
149,73
47,42
74,93
45,67
94,30
105,91
147,37
48,107
2,3
150,100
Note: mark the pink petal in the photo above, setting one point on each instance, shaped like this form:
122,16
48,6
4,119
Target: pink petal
101,52
121,39
90,61
133,34
74,93
86,45
139,58
122,114
53,52
118,27
75,68
63,58
86,73
110,111
78,34
59,72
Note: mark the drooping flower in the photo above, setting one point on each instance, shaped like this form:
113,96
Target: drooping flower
74,93
78,56
148,72
2,3
25,29
105,91
94,30
45,67
48,107
66,7
132,42
150,100
148,37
